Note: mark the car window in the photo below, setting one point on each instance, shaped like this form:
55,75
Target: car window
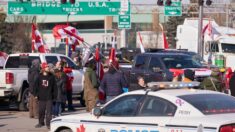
155,62
69,62
124,106
179,62
211,103
51,59
141,62
154,106
20,61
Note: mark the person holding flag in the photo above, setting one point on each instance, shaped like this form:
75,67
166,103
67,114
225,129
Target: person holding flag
113,81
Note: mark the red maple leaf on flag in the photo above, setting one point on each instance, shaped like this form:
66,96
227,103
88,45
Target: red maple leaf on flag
81,128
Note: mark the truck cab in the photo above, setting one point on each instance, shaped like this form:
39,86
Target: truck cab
225,46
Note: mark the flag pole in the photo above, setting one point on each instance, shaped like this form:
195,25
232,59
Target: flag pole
33,37
67,39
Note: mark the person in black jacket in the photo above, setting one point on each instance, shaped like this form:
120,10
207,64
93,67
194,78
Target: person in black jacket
45,93
60,92
33,74
232,84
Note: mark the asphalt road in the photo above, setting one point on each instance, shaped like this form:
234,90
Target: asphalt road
16,121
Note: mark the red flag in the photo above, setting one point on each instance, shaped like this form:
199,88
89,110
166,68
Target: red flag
141,43
37,41
165,43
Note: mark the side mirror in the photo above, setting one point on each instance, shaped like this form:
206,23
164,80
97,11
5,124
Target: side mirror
97,111
157,69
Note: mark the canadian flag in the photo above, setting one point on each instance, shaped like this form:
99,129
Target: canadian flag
165,43
37,41
65,31
99,72
141,43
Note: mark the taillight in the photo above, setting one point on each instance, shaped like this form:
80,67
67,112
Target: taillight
9,78
228,128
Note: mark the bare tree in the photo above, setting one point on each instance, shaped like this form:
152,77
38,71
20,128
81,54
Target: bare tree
16,34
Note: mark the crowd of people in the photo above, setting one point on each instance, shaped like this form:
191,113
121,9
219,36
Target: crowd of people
51,87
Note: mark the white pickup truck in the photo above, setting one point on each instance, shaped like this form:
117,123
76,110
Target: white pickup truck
14,76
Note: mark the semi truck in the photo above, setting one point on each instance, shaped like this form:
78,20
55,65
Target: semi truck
218,48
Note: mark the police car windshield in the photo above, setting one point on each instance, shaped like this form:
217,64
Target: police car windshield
180,62
210,104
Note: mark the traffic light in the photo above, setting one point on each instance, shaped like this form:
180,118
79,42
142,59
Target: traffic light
200,2
63,1
160,2
208,2
72,1
168,2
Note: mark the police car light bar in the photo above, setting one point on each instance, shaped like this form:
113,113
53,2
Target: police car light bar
173,85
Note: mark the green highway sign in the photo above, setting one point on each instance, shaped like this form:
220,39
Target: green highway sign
124,21
56,8
174,10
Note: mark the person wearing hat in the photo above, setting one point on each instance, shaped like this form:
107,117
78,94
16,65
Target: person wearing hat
45,93
90,86
113,82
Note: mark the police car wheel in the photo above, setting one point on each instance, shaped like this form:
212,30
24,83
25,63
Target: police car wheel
65,130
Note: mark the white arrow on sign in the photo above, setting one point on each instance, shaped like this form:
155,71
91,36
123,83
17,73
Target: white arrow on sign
172,13
16,12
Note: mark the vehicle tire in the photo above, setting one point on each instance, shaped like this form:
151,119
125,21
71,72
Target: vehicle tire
65,130
82,101
24,104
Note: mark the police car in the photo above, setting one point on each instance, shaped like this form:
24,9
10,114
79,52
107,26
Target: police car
164,107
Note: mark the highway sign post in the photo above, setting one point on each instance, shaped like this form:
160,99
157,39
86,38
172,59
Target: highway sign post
175,9
124,22
56,8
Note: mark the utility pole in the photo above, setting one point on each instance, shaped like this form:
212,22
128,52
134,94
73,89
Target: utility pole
200,24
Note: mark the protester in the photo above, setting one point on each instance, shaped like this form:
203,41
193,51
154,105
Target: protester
69,88
61,93
188,75
232,84
141,84
33,74
212,82
113,82
45,93
90,86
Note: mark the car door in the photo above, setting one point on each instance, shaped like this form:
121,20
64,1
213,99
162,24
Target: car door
154,71
78,75
120,116
157,110
138,69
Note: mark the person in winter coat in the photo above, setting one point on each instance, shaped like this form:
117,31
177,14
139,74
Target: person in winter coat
69,88
33,74
232,84
188,75
90,86
60,92
45,93
113,82
212,82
